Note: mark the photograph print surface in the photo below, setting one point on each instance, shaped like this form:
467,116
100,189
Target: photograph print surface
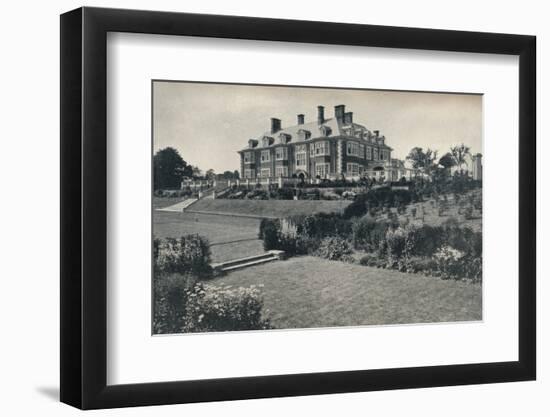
289,207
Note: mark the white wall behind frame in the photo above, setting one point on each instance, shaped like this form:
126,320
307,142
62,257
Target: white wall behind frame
133,60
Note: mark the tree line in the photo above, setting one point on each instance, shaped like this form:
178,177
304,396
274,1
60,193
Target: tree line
170,169
427,162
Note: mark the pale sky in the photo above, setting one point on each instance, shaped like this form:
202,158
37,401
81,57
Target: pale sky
208,123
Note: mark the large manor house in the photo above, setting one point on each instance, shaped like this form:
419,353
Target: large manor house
329,147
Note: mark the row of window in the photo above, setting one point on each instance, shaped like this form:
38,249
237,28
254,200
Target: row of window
358,149
319,149
321,169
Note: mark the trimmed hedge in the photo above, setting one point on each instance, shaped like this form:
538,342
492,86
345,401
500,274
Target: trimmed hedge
190,254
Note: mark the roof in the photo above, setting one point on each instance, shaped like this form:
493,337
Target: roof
336,128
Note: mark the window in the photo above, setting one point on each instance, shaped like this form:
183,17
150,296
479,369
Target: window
304,134
322,169
265,156
375,154
301,161
311,150
352,169
369,153
353,148
249,173
384,155
265,173
322,148
361,150
281,171
248,157
281,154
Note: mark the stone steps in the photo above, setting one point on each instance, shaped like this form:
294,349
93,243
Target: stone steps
179,207
232,265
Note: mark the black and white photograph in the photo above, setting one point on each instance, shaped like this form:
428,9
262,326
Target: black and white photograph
293,207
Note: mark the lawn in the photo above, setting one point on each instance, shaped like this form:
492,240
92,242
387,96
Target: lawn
307,292
161,202
267,208
230,237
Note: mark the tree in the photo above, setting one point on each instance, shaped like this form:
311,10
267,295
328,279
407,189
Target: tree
422,160
236,175
459,153
168,169
210,174
197,173
447,161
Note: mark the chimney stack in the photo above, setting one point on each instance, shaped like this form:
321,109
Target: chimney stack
348,117
320,115
300,119
275,125
339,112
376,133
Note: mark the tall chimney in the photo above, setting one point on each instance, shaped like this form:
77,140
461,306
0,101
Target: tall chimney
339,112
376,133
300,119
320,115
275,125
348,117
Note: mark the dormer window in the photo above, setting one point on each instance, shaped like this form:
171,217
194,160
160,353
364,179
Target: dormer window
284,138
325,130
252,143
266,141
304,134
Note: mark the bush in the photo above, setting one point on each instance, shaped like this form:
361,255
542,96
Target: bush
189,254
455,264
170,301
373,260
223,308
368,233
284,193
269,233
335,249
379,197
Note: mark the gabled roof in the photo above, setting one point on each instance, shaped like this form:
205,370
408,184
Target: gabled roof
336,129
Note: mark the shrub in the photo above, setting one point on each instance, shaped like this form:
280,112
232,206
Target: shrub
170,301
380,197
335,248
182,305
367,233
223,308
373,260
284,193
269,233
455,264
395,245
189,254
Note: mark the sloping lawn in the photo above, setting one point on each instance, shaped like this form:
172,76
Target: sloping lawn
311,292
229,237
267,208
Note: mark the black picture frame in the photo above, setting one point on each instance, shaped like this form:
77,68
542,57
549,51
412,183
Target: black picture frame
84,207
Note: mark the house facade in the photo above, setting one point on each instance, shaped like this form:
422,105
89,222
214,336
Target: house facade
332,148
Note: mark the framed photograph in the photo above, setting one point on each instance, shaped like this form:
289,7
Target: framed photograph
255,208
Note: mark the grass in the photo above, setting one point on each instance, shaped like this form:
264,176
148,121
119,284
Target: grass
307,292
161,202
230,237
268,208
